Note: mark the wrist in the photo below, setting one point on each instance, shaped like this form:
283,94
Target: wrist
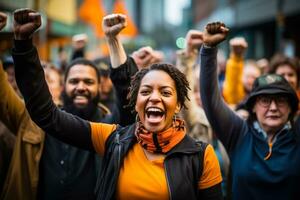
22,45
208,46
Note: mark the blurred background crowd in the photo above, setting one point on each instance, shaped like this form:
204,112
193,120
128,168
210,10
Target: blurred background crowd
264,37
269,26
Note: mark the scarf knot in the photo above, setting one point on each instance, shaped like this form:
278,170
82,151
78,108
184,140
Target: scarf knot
160,142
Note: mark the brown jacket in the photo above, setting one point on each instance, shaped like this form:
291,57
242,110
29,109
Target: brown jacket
23,174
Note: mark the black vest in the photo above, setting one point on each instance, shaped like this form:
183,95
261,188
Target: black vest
183,165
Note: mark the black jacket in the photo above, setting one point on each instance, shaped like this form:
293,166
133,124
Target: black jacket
185,159
183,165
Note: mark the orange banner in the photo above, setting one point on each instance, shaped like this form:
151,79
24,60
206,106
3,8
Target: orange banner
130,30
92,12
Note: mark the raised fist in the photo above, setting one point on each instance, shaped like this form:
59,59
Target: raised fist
194,40
3,19
113,24
26,22
238,46
214,33
146,56
79,41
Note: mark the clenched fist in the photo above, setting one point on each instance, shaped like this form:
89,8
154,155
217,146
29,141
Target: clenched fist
194,40
3,19
26,22
113,24
214,33
146,56
238,46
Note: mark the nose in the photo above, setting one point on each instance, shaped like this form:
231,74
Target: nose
80,86
155,96
273,105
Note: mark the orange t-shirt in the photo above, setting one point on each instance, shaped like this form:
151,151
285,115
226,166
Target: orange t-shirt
141,178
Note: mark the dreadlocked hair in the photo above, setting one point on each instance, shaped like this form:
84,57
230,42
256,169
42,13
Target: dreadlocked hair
181,83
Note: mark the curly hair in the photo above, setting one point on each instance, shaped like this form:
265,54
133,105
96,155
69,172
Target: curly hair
181,83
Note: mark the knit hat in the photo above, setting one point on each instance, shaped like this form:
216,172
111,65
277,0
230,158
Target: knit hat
272,84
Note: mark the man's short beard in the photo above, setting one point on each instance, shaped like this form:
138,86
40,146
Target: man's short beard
87,112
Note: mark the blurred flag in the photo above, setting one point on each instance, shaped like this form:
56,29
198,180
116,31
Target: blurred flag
130,30
92,12
56,10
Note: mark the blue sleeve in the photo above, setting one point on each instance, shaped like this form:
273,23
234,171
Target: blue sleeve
228,127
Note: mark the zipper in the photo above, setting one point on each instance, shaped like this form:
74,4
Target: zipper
119,149
270,151
166,171
270,144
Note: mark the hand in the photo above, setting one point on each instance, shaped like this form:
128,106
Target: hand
238,46
79,41
26,22
113,24
146,56
214,33
3,19
194,40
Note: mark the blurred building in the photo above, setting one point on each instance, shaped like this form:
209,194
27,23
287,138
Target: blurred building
269,26
59,24
63,19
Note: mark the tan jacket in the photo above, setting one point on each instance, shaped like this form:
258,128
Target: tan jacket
23,174
197,123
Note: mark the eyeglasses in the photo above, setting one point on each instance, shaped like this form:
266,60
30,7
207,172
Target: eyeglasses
266,101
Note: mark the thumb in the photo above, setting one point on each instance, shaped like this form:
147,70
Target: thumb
224,29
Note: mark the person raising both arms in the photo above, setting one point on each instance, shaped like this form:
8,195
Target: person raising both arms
150,159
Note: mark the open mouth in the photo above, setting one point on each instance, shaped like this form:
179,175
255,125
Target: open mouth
80,99
154,114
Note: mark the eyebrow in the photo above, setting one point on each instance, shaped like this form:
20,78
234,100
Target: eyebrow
162,87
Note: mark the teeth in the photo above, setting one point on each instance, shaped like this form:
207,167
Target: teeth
154,110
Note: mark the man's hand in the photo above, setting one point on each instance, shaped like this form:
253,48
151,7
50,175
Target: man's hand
113,24
238,46
3,19
26,22
214,34
194,40
79,41
146,56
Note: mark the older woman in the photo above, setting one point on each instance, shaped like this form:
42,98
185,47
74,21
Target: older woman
265,150
150,159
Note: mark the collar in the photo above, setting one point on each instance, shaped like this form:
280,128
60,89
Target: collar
258,128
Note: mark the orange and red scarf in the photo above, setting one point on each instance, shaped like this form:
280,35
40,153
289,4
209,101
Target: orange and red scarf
161,142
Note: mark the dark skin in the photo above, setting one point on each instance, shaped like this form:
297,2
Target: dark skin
26,22
214,33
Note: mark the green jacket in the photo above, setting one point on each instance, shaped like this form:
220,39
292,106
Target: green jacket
23,173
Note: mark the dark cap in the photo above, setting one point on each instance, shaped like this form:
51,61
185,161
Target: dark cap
272,84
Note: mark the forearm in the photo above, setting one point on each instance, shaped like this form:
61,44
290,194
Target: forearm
226,124
233,89
121,77
116,51
186,63
31,82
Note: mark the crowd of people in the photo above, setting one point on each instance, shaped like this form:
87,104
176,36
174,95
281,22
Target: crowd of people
136,127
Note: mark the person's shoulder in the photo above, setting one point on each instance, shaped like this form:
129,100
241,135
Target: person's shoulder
103,109
201,145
